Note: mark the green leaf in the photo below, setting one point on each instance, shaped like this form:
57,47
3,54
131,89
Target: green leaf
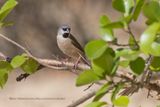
126,20
17,61
106,61
5,66
150,10
104,20
127,54
116,91
122,101
87,77
155,64
98,70
30,66
139,5
147,40
149,22
137,65
101,92
132,43
158,106
95,49
129,4
124,63
124,6
7,8
5,24
119,5
115,65
157,38
107,33
96,104
112,25
155,49
3,78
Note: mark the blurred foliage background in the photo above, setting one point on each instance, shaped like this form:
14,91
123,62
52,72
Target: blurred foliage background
36,23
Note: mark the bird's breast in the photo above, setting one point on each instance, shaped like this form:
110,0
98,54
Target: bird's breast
66,46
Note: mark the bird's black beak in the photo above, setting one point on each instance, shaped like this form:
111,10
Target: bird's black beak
66,35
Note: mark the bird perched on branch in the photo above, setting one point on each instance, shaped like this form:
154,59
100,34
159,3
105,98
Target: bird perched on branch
69,45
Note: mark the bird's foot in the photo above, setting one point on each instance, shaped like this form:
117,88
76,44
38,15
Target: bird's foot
76,64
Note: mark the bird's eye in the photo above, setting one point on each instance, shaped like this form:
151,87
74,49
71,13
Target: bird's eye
65,29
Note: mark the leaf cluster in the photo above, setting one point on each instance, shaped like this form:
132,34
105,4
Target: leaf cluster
106,60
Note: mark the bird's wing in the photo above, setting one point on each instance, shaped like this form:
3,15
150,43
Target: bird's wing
76,44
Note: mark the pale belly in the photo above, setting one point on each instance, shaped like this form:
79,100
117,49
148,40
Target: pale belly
67,48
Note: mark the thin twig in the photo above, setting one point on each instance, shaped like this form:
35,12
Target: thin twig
131,34
65,64
82,100
146,70
87,97
89,87
26,51
16,44
2,56
117,44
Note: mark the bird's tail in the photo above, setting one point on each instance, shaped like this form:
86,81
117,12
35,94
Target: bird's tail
85,60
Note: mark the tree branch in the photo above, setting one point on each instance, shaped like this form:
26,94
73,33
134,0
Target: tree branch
146,70
87,97
83,99
54,64
132,35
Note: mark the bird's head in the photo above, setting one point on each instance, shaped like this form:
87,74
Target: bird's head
64,31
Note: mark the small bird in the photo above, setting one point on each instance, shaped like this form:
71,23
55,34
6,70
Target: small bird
69,45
